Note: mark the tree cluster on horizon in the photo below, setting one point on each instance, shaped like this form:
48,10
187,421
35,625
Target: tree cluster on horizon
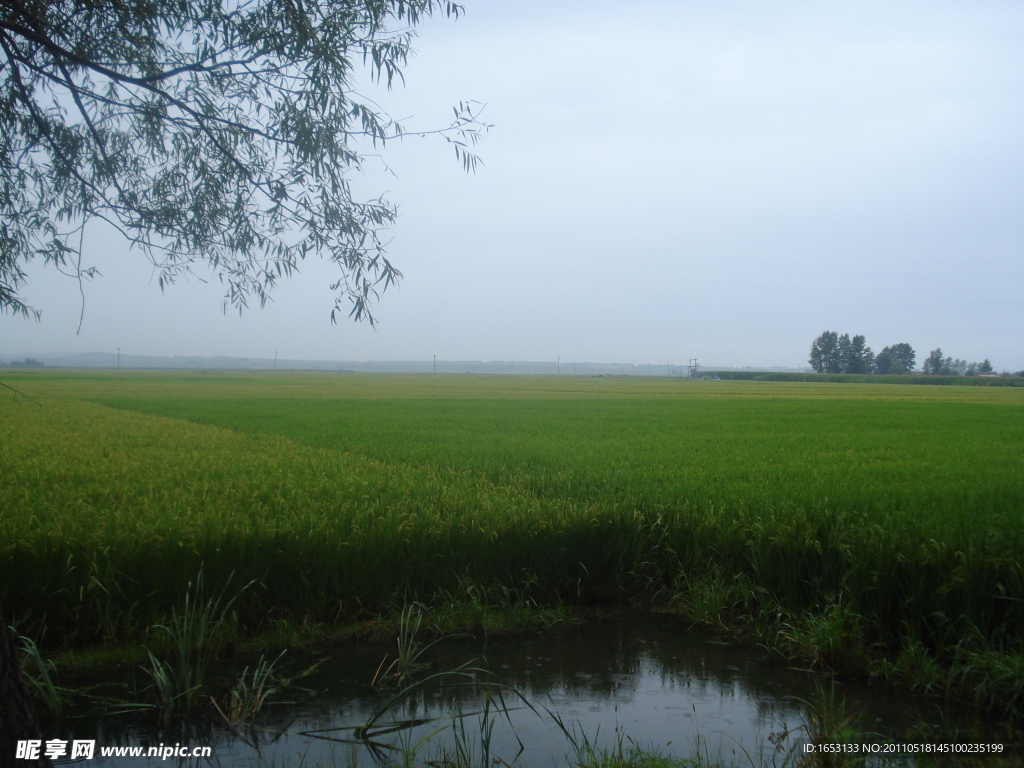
832,353
28,362
937,365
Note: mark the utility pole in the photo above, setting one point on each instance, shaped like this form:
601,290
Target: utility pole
275,359
435,364
119,358
559,369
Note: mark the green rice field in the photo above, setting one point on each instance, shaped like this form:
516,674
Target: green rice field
869,525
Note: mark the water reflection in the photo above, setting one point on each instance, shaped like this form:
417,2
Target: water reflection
634,680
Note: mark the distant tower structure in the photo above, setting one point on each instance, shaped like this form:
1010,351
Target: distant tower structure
693,368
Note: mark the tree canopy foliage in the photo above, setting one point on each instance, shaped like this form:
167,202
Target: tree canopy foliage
213,134
897,359
832,353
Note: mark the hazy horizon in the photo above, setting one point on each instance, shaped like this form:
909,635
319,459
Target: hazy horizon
109,360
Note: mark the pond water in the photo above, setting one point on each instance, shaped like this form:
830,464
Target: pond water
640,681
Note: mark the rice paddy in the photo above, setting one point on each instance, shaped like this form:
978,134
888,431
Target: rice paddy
858,525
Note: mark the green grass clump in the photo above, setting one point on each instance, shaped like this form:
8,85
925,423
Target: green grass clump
867,519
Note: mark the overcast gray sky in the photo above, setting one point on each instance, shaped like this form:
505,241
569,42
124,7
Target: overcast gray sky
664,180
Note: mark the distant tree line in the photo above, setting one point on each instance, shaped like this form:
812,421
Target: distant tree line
832,353
28,362
937,365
